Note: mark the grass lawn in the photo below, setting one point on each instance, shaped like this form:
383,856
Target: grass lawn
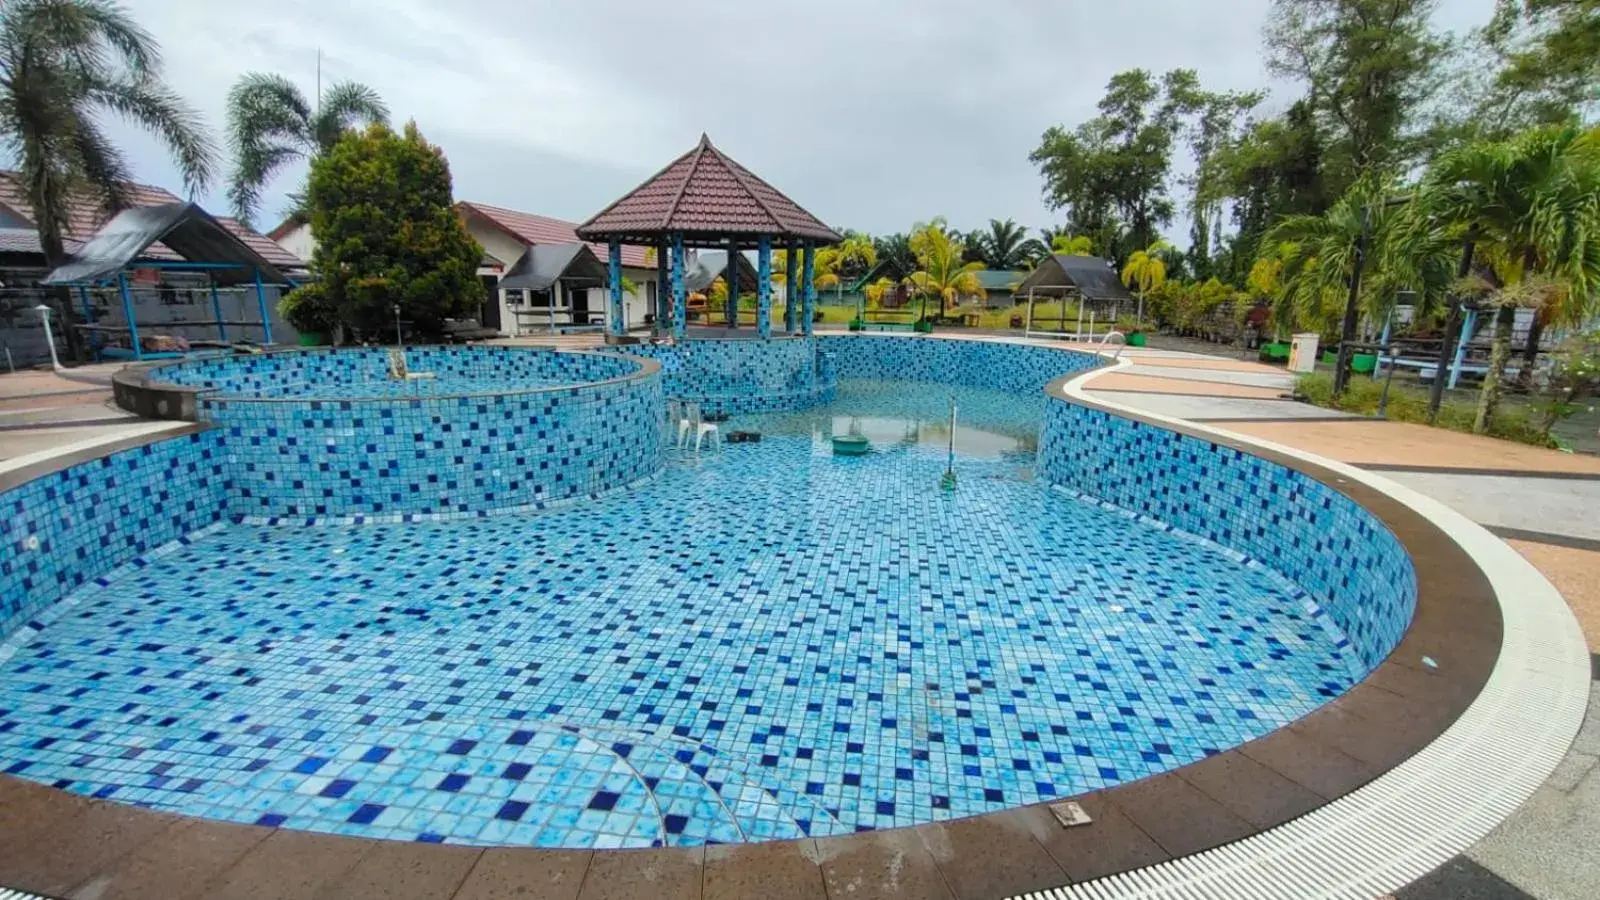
1409,403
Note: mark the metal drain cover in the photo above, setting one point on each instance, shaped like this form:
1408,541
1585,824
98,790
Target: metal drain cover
1069,814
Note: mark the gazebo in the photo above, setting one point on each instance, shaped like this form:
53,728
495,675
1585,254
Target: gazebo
703,199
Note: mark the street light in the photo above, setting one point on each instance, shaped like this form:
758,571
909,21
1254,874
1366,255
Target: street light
49,336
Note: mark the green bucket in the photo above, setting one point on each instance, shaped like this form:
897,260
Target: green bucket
1136,339
313,339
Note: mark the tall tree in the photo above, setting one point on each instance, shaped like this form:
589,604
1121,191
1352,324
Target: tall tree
271,124
1536,200
1368,69
1145,272
895,249
1213,121
387,235
1551,56
1006,245
64,66
1110,173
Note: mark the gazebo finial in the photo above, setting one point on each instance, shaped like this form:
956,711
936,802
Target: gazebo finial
705,139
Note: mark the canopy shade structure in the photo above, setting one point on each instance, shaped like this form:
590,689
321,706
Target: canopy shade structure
708,198
709,265
183,228
542,265
1090,276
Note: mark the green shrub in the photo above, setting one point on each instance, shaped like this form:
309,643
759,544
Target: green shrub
1410,404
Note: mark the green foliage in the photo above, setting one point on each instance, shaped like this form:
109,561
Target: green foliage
309,310
1410,404
65,67
388,235
1574,378
1550,58
271,124
942,274
1368,67
1110,173
1005,245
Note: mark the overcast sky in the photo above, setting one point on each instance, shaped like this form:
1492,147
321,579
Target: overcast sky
873,114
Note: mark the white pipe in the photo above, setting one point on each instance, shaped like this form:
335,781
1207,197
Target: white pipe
49,336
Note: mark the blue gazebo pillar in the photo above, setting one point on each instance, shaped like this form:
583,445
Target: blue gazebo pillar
127,312
791,286
809,306
680,297
764,287
216,310
614,323
731,276
663,301
261,301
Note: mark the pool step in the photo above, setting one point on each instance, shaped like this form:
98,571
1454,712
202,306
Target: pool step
692,811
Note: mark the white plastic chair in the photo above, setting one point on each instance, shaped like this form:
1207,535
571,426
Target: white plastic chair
692,421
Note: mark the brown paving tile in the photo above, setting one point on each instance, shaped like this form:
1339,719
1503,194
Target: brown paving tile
1576,574
506,872
1315,766
30,812
176,864
1250,790
1409,444
404,869
674,874
1178,816
84,847
991,856
1335,725
1111,843
776,870
880,864
288,865
1155,384
1223,365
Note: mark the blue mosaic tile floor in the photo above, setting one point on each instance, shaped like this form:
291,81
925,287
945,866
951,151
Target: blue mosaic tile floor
765,643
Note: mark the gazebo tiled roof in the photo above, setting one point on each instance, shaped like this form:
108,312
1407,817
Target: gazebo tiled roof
708,197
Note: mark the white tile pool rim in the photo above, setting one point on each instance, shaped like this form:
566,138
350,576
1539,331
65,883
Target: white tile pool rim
1452,793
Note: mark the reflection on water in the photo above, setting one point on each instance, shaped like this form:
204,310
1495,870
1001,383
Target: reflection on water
904,414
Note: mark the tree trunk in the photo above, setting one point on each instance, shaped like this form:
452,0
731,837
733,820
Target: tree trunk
1499,355
1530,353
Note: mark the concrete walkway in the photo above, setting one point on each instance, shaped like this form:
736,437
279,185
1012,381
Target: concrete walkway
1546,502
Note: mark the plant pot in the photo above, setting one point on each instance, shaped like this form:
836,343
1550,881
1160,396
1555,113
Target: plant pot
313,339
1275,352
1016,321
1363,363
922,327
1136,339
856,325
1330,358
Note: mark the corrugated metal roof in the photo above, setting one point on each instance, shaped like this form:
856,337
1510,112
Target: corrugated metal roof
1092,276
19,240
706,193
85,216
542,264
186,228
533,229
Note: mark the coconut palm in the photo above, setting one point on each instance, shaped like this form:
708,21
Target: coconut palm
1006,245
1146,271
1535,200
1072,245
65,64
876,291
940,270
271,124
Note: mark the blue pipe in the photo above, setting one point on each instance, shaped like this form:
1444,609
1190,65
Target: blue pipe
127,311
216,310
261,301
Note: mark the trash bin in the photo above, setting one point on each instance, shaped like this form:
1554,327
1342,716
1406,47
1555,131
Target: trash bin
1303,353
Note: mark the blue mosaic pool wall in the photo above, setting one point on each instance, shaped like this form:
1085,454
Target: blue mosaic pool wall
70,527
745,376
363,372
1349,562
981,364
1353,566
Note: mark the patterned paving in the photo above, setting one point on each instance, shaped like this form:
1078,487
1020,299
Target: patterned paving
763,643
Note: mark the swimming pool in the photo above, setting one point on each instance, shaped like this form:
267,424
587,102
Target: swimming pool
762,643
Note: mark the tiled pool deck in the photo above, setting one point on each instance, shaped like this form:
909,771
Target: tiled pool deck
64,842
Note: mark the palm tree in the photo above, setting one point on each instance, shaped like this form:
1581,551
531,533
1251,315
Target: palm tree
854,254
64,64
876,291
1147,271
1072,245
1535,200
270,124
1006,245
941,271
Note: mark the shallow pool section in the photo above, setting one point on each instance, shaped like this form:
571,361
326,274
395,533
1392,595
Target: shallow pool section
763,643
